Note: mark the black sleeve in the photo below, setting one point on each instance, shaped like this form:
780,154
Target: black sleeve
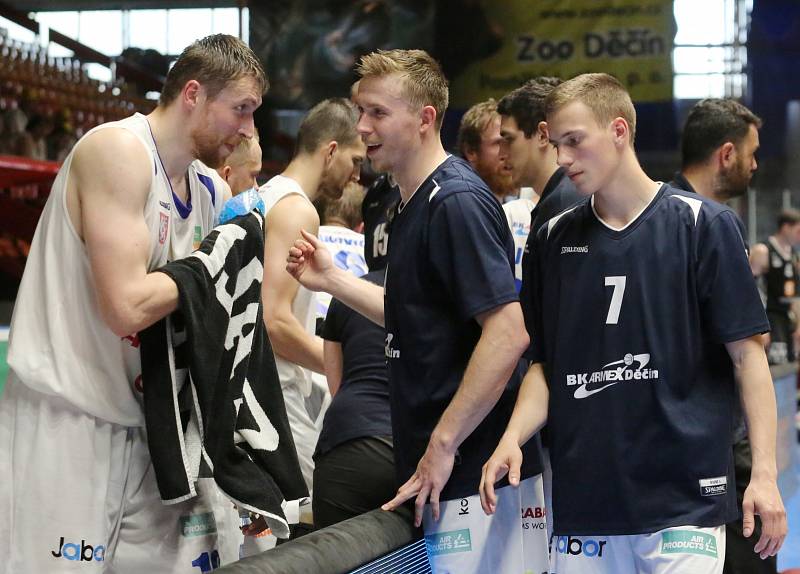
727,292
471,253
335,320
532,304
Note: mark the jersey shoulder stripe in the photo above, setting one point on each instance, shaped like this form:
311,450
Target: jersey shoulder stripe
694,203
551,223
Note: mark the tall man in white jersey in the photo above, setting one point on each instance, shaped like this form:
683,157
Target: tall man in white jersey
329,155
78,491
454,325
644,314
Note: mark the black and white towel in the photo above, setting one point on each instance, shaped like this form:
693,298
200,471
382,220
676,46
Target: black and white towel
227,419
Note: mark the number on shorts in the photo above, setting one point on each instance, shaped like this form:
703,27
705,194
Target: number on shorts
207,561
618,282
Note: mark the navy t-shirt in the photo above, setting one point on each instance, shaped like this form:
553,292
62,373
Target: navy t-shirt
360,408
631,326
377,210
451,257
559,194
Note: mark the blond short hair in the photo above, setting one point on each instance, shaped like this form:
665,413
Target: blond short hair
602,93
347,208
241,153
424,83
473,123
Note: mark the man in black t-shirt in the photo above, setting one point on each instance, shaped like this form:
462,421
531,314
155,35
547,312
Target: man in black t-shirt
377,210
634,354
776,261
455,330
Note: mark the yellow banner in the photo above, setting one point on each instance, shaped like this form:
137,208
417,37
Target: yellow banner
630,39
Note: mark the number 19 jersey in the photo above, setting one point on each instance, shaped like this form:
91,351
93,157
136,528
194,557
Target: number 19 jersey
631,325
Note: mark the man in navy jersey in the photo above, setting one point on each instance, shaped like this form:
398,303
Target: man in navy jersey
455,329
718,147
634,354
528,153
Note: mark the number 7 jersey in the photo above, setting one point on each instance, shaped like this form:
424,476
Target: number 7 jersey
631,325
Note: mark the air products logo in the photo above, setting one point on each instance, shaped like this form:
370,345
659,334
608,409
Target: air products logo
198,525
449,542
688,542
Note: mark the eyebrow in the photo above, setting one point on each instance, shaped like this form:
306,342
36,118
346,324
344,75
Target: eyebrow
564,136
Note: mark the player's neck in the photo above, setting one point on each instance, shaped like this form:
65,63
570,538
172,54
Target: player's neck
703,183
543,175
173,143
304,169
626,195
418,166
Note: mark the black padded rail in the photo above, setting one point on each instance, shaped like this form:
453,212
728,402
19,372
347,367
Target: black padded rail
338,549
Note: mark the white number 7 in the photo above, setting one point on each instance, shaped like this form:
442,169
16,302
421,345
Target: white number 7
618,282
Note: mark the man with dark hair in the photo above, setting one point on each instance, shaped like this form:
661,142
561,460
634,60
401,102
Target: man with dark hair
532,161
718,147
529,154
329,155
479,143
646,329
719,142
130,197
454,328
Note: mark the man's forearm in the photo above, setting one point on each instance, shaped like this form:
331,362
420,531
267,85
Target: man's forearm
758,400
291,342
493,361
530,411
141,304
360,295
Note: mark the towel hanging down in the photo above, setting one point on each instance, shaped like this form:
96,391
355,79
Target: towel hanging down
227,418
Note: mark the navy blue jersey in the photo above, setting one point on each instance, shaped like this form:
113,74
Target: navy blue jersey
360,408
377,210
558,194
451,257
631,326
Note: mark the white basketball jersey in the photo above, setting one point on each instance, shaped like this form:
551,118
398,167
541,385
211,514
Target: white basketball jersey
518,214
347,250
304,305
59,343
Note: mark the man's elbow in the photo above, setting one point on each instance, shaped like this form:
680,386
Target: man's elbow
277,330
522,340
122,319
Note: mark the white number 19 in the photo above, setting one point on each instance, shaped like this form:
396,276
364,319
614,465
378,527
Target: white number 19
618,282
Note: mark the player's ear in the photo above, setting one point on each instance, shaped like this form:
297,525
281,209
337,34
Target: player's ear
192,93
542,134
427,116
330,151
620,130
226,172
727,154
